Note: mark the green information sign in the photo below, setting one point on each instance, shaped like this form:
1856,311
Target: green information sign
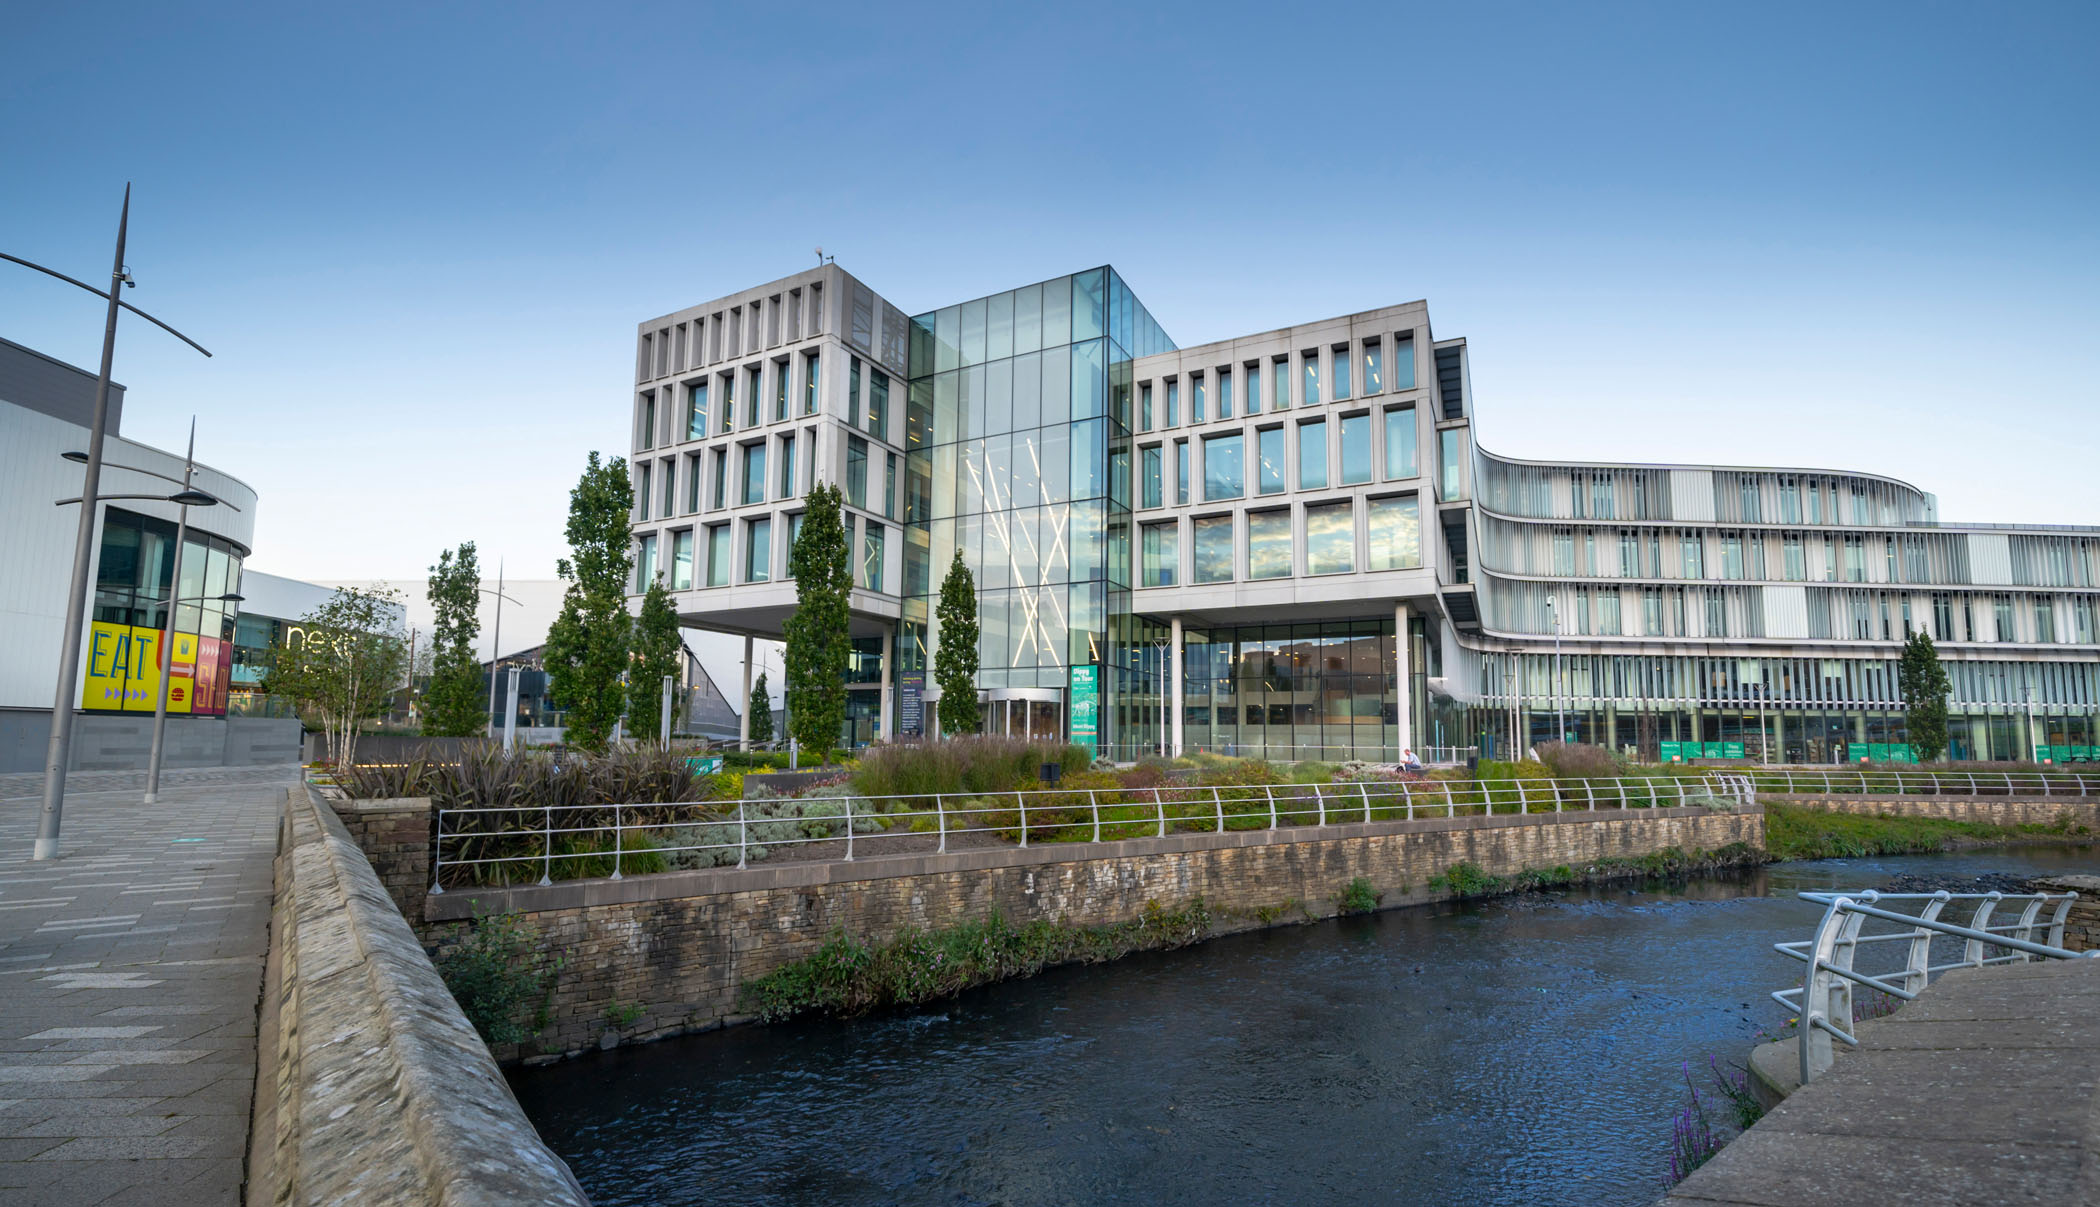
705,764
1085,705
1731,750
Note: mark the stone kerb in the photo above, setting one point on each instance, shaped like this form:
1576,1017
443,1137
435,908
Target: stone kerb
377,1090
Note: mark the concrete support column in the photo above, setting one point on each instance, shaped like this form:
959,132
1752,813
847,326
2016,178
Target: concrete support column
1174,709
883,720
743,724
1403,681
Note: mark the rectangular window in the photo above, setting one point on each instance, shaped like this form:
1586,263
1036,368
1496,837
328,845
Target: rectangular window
1162,556
1716,613
718,555
1396,533
810,377
1224,467
1652,612
1273,456
871,554
889,488
1312,455
1145,407
1732,555
2002,613
1281,396
2044,619
1403,362
728,401
1181,472
1942,617
696,411
1254,389
1796,563
754,473
641,491
647,434
1341,374
1629,555
682,560
781,372
645,563
1356,449
1312,380
668,470
1449,485
1374,366
1694,561
1213,549
1172,416
692,482
721,475
1197,398
758,550
753,387
786,488
1150,488
1400,454
857,471
853,392
1330,538
1269,544
879,403
1855,560
1608,613
1224,393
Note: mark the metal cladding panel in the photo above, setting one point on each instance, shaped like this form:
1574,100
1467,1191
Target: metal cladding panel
1786,611
1692,494
1990,558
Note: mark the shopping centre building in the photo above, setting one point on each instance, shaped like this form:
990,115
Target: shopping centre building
1290,544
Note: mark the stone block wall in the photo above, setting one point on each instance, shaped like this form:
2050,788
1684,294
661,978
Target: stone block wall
2082,924
679,946
395,836
1990,810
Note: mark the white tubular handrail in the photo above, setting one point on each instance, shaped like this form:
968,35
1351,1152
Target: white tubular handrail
1855,782
642,834
1823,1001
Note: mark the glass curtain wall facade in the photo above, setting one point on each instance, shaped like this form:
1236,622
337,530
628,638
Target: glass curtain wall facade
1017,456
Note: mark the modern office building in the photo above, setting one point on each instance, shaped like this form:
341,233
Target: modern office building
1292,544
46,410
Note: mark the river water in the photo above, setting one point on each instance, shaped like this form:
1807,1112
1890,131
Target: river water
1523,1050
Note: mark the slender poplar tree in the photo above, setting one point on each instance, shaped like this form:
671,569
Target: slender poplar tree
819,643
656,650
454,705
955,650
761,706
587,644
1923,682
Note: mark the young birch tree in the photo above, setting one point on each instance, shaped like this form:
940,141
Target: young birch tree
349,659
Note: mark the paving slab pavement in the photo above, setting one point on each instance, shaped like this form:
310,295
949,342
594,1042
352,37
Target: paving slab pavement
130,974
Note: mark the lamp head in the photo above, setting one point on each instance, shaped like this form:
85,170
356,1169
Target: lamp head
76,456
193,498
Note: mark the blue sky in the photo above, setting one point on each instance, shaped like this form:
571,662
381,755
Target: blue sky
419,237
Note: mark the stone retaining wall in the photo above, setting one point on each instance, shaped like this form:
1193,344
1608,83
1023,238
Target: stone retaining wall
676,948
1990,810
2082,924
372,1088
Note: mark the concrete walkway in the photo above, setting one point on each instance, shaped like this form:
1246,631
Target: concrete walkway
130,973
1983,1091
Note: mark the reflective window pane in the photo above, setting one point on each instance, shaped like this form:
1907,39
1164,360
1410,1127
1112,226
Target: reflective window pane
1312,455
1330,538
1269,544
1396,533
1224,467
1356,449
1213,541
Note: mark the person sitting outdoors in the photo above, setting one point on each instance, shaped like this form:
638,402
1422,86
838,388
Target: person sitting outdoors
1408,761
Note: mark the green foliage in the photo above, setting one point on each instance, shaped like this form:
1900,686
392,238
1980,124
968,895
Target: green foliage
846,977
1577,760
819,643
761,706
769,821
350,659
1792,832
495,973
656,647
622,1015
1468,879
1359,897
586,648
1923,681
964,765
453,704
955,651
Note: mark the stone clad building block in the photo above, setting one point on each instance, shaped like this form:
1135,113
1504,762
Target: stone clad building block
372,1087
680,945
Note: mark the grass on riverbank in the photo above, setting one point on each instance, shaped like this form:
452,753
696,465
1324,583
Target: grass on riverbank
1792,832
1467,879
847,977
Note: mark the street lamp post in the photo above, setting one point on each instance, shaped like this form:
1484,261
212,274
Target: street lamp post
167,630
1560,712
495,641
60,752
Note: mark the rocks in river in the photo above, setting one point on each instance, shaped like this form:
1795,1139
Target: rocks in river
1989,882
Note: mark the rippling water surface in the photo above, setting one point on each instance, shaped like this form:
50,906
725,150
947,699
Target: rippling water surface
1526,1050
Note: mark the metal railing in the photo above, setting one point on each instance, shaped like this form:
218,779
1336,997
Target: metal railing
1839,780
1334,752
513,843
1826,991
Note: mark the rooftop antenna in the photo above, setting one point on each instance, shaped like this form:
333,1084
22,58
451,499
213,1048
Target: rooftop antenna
820,257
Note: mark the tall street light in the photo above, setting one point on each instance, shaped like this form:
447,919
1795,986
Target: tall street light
1560,712
495,642
61,748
